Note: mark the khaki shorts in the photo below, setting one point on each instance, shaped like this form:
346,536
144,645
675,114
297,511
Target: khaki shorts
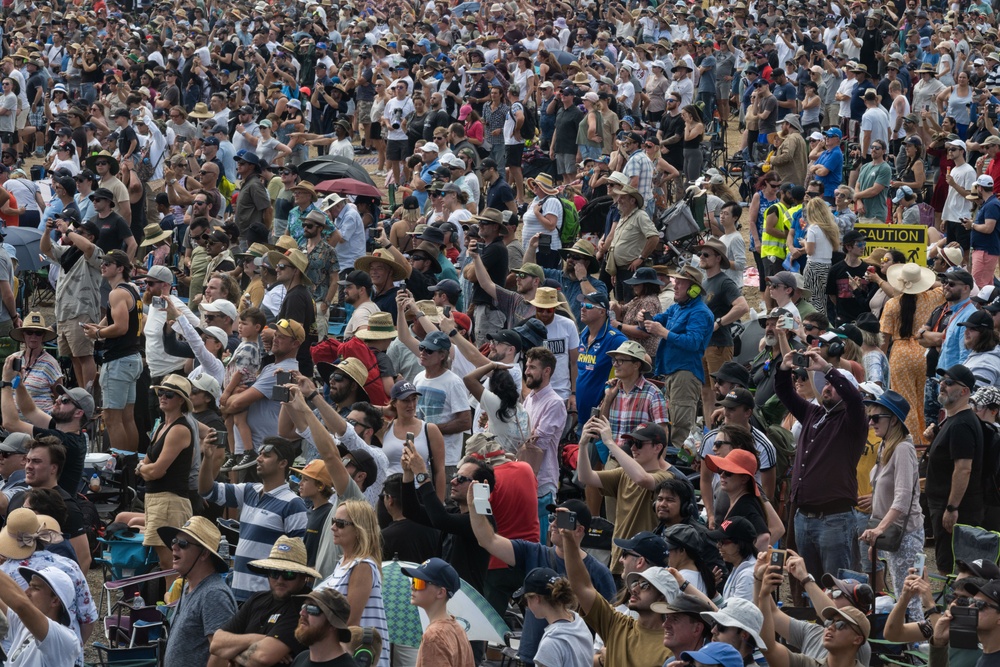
715,356
22,120
164,509
72,342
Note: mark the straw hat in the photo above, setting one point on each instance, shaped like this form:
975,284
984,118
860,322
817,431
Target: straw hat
201,531
201,111
114,166
295,257
179,385
355,369
581,79
33,322
583,249
381,255
545,297
875,256
544,182
306,186
152,234
430,310
380,327
19,538
910,278
632,350
287,555
285,242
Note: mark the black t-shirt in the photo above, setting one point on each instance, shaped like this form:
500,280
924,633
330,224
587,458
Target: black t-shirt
74,517
720,292
263,614
434,120
749,508
114,230
34,82
960,437
76,450
211,418
671,126
849,304
567,125
419,283
125,138
408,540
494,258
298,305
498,194
346,660
317,521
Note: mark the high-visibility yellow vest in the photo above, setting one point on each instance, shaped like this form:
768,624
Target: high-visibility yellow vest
777,246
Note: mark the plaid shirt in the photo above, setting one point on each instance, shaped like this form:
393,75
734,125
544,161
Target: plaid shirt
644,404
494,120
322,267
640,165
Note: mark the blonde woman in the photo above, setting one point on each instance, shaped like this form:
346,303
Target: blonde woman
895,490
822,237
358,575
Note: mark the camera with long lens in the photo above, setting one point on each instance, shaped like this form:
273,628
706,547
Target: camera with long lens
397,119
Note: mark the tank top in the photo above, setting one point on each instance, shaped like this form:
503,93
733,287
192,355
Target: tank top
175,480
958,107
393,448
373,615
692,143
127,344
581,132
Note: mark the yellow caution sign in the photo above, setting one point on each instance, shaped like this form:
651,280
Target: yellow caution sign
911,240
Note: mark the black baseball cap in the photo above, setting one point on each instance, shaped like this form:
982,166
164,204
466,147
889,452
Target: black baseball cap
960,374
358,279
508,336
583,515
599,299
649,433
650,546
737,529
738,397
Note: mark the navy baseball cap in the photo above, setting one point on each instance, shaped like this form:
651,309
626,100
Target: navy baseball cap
651,547
436,341
438,572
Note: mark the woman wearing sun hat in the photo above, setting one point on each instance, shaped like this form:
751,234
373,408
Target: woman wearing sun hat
166,468
544,216
737,471
903,324
40,371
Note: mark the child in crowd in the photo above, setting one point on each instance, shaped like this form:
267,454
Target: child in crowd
241,373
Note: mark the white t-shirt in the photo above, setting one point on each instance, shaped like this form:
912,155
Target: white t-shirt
509,123
441,398
846,87
562,337
514,431
876,121
532,225
956,206
397,110
823,251
59,648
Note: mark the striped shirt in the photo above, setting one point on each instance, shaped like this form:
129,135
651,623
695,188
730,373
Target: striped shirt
373,615
264,517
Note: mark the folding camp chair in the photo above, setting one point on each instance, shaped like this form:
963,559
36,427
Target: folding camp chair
140,656
126,589
969,543
131,627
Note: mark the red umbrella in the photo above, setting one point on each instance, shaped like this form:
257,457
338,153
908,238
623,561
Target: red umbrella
349,186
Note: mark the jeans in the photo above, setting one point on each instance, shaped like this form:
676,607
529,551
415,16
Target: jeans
88,92
826,543
543,517
498,152
590,152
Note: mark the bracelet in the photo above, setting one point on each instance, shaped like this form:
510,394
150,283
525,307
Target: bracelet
935,609
683,587
310,397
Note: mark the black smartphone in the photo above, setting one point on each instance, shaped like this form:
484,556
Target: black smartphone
800,360
566,520
221,437
447,311
544,242
778,558
595,412
280,394
963,632
17,364
282,377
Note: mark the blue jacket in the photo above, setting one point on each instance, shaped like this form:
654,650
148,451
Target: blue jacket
689,326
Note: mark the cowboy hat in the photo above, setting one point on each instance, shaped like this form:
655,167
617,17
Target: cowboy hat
201,111
381,255
203,533
307,187
720,249
544,182
580,79
688,272
103,155
631,192
287,555
910,278
545,297
33,322
432,252
152,234
380,327
583,248
295,257
178,384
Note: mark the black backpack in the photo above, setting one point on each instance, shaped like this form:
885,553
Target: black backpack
92,524
530,124
991,464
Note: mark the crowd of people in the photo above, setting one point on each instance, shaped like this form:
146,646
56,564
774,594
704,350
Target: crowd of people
498,353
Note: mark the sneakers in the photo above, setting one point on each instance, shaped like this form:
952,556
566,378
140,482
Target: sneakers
248,460
228,464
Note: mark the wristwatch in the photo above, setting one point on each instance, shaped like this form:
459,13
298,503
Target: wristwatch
808,578
422,478
950,508
4,384
452,333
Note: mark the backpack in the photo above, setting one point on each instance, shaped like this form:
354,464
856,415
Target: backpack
991,464
569,231
92,523
530,124
331,351
783,441
594,215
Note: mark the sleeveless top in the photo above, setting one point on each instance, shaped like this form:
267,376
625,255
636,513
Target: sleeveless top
175,480
373,615
127,344
393,449
958,107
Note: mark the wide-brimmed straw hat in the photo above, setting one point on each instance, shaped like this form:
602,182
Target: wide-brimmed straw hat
178,384
381,255
583,249
546,297
307,187
688,272
20,537
33,322
152,234
287,555
380,327
545,183
113,164
201,111
202,532
633,350
910,278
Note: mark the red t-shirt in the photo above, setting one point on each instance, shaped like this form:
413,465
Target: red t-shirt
515,504
10,219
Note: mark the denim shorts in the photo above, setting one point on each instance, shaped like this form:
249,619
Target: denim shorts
118,380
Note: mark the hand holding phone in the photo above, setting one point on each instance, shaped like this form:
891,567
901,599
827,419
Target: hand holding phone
777,557
800,360
481,498
566,520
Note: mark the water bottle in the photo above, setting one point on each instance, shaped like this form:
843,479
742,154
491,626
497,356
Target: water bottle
224,549
138,602
111,464
95,483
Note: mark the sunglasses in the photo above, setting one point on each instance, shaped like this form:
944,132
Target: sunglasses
722,443
590,306
878,418
341,523
102,163
355,422
287,575
281,266
461,479
838,625
311,609
67,399
181,544
419,584
166,394
308,226
641,584
424,348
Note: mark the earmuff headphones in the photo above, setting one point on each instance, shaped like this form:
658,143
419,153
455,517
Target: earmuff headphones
835,349
364,654
694,291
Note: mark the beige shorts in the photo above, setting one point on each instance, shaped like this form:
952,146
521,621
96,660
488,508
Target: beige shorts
72,342
164,509
714,357
22,120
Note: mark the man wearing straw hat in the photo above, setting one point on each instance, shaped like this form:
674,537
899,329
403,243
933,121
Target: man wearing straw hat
206,602
562,339
358,288
263,631
298,304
